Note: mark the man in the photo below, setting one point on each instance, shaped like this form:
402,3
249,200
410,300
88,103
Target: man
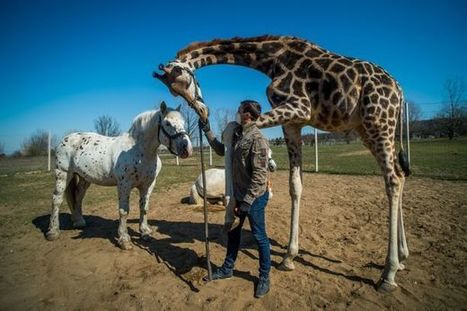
250,176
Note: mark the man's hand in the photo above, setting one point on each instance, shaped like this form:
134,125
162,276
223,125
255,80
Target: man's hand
242,209
205,126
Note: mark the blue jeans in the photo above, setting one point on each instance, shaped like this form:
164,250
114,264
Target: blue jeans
258,228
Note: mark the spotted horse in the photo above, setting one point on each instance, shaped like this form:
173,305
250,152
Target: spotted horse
127,161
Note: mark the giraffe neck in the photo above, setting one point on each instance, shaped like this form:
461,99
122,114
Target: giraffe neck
264,54
258,55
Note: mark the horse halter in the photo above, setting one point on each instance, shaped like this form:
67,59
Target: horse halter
168,135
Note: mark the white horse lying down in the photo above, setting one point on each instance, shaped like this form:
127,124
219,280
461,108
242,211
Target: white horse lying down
215,181
127,161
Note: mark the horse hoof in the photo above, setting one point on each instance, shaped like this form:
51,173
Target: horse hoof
401,267
286,265
52,235
384,286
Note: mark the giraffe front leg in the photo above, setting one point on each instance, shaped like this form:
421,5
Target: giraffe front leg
286,113
292,137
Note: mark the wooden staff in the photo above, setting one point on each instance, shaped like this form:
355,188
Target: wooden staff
205,208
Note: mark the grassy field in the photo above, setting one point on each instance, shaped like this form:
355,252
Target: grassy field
25,183
435,158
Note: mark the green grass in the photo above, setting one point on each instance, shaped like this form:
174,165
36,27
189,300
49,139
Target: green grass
435,158
10,166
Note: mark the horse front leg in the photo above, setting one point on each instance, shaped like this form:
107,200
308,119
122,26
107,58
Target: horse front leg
144,228
124,240
292,136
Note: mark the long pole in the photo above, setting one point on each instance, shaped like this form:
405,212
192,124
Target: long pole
205,208
408,129
49,151
316,151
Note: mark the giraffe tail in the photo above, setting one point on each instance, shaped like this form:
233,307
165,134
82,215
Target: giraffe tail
403,158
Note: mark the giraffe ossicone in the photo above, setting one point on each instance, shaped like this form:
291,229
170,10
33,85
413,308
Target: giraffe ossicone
313,86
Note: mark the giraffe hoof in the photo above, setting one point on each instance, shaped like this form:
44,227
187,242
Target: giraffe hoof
146,237
286,265
80,224
52,235
125,245
384,286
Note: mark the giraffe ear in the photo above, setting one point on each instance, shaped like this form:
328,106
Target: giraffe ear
163,107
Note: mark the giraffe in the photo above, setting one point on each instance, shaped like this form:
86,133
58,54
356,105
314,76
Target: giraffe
313,86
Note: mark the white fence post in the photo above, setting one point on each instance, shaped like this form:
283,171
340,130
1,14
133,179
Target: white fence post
316,151
210,156
49,151
408,130
176,159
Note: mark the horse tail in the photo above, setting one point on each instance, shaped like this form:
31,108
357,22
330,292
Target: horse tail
403,158
71,190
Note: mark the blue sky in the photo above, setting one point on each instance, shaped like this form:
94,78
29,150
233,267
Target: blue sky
64,63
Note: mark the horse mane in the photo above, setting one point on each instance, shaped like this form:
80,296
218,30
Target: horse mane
197,45
142,122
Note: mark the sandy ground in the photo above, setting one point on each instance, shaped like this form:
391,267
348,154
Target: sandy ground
343,239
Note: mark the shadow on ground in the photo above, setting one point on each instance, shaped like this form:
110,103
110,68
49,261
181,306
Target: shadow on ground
181,260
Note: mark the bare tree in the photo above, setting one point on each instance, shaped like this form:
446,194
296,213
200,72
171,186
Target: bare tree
223,116
191,120
37,144
106,125
454,111
415,112
415,115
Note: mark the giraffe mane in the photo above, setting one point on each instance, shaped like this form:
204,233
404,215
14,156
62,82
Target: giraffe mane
196,45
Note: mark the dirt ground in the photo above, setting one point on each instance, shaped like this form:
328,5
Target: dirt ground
343,241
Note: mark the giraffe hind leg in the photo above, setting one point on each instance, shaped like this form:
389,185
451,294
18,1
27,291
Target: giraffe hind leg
393,186
403,249
382,147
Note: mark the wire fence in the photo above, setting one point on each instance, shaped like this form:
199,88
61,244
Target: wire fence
435,158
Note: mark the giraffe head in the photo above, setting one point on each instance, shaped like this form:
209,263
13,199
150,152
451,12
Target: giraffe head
181,81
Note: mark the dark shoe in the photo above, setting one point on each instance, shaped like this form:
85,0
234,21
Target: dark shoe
218,275
262,288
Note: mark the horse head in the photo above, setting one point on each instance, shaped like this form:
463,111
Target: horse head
180,80
172,133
